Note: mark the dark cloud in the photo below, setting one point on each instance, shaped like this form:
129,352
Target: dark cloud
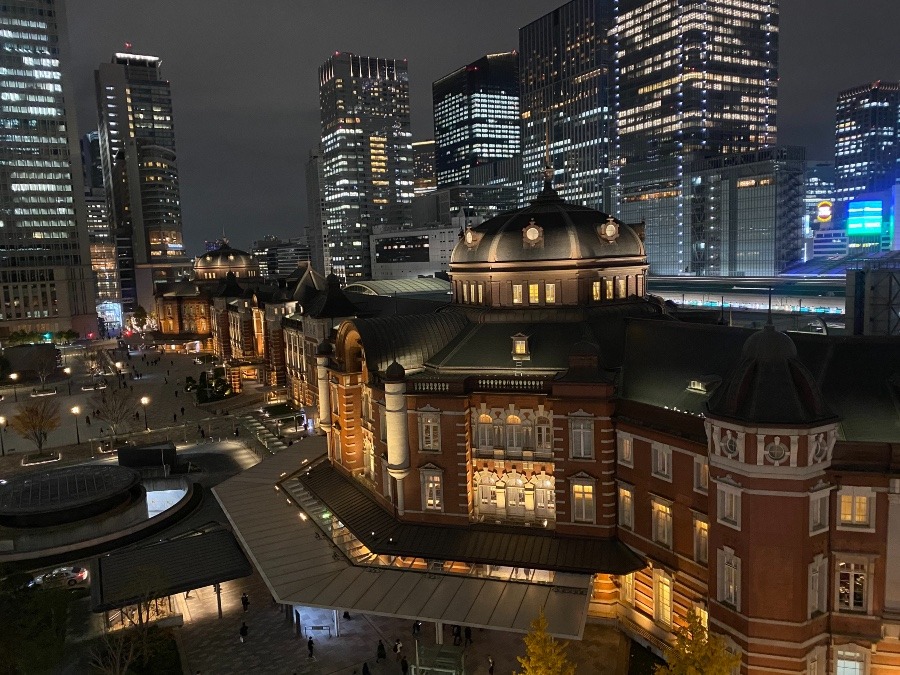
244,79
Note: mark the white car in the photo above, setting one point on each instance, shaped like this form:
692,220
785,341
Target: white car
61,577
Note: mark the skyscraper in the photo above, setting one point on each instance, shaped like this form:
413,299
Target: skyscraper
91,163
367,156
476,116
140,172
867,141
565,60
691,81
316,232
45,272
424,177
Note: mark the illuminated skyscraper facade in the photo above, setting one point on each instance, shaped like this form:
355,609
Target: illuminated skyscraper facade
867,142
565,61
140,172
691,81
46,284
424,176
476,116
367,157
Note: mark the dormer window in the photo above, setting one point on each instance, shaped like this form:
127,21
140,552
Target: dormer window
520,350
704,385
532,235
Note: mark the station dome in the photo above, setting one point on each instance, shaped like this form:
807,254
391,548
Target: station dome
215,265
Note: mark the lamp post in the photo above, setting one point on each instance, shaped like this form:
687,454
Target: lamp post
144,401
2,431
77,411
15,378
68,372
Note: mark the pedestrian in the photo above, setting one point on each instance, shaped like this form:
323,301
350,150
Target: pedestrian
87,420
202,433
404,666
398,648
309,646
245,601
490,666
182,411
457,636
468,634
365,669
176,393
347,615
244,630
174,417
166,380
417,627
381,653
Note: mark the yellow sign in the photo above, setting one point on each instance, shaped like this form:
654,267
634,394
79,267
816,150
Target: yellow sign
824,211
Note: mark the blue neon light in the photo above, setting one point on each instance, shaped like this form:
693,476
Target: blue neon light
864,218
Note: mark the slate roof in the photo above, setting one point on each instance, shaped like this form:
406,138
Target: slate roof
427,285
174,566
485,544
330,303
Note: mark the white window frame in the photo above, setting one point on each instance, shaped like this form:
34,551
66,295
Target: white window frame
728,506
550,293
701,475
517,294
582,511
815,661
662,517
817,590
430,431
818,511
543,439
627,592
382,422
851,655
485,431
625,449
432,480
701,539
663,597
856,497
661,458
581,438
729,578
626,505
515,433
857,565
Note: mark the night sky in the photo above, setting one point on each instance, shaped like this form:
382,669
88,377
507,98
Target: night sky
244,80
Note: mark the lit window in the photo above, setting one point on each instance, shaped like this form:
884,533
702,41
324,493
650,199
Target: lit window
595,291
534,294
607,289
701,540
550,293
662,597
626,506
517,294
581,438
513,432
850,663
626,450
628,588
432,493
485,431
621,288
852,586
856,507
430,430
583,501
729,578
662,522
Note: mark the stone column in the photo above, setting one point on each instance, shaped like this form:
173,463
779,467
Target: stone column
397,432
323,355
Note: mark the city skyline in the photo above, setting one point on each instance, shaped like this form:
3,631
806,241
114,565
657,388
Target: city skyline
278,122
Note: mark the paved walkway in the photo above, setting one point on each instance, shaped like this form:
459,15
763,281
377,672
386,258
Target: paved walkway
212,645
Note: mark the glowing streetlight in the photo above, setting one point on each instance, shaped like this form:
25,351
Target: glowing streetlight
145,400
76,411
15,378
2,431
68,372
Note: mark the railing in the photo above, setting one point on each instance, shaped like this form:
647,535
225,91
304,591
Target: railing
501,453
512,383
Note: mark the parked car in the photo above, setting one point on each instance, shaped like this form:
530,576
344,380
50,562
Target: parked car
61,577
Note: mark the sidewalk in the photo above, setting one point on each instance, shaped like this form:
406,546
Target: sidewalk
212,645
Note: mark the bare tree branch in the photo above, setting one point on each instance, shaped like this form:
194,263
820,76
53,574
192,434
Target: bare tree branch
35,420
116,409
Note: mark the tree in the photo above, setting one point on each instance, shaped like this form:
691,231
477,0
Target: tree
114,653
45,365
544,655
140,317
91,360
34,421
697,652
117,410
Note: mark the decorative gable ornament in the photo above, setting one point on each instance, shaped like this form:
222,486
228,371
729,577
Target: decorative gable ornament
532,235
609,231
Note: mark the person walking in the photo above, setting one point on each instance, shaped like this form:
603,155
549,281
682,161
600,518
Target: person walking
365,669
457,636
381,654
243,632
468,634
309,646
398,648
417,627
490,666
404,666
245,601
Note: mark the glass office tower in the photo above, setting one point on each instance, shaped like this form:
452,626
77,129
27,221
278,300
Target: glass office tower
424,176
140,172
45,269
476,116
367,157
565,60
691,81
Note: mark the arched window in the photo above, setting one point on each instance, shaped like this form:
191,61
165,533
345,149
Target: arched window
515,494
485,435
485,492
498,433
543,434
513,433
544,495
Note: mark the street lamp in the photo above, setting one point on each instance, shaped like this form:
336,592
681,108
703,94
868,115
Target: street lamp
15,378
2,430
76,411
68,372
144,401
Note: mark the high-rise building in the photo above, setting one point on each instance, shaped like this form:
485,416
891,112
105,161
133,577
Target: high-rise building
691,81
867,142
565,60
140,172
91,163
45,268
316,232
367,174
476,116
279,258
424,176
104,261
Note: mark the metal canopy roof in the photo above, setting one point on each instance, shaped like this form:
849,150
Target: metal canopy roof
301,566
173,566
494,545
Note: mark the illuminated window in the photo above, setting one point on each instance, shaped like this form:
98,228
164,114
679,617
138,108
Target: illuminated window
432,492
662,522
701,540
595,291
583,500
550,293
626,506
430,431
852,586
485,431
513,432
729,578
856,507
517,294
662,597
607,289
534,294
626,450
